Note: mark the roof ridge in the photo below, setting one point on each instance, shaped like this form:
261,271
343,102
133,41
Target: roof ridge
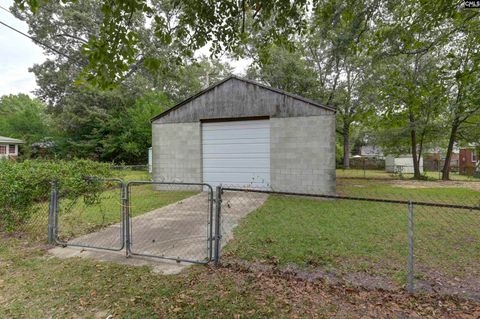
232,76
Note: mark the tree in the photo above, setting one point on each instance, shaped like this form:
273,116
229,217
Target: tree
337,47
185,25
25,118
414,30
410,101
108,124
286,70
462,81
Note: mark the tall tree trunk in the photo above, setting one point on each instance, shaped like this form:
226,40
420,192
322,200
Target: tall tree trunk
413,137
346,145
448,157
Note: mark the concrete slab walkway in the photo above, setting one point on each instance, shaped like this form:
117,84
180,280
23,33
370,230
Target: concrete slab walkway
179,230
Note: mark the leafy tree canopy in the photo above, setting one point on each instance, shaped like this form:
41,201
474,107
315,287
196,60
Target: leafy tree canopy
185,25
23,117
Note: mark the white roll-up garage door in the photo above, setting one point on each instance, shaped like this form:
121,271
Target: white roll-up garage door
236,153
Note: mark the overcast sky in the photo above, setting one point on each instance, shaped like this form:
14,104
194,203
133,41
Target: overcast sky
18,53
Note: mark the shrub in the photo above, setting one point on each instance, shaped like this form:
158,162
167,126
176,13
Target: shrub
25,184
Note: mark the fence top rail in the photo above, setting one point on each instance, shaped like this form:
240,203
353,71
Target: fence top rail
366,199
169,183
102,179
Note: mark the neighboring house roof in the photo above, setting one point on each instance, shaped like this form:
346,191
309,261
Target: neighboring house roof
10,140
297,97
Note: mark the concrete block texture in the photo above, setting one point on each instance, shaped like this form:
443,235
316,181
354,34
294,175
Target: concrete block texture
302,151
177,152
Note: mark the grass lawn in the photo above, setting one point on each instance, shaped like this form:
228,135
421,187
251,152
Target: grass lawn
382,174
346,235
421,191
35,285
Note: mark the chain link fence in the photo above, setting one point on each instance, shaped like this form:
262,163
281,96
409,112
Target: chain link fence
422,243
372,235
407,172
20,216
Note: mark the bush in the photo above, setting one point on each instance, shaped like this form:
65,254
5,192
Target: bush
24,184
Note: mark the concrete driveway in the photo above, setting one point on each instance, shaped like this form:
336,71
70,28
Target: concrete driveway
179,230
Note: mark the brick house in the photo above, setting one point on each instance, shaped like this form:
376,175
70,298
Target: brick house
468,161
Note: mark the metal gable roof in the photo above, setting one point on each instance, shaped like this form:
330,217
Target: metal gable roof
297,97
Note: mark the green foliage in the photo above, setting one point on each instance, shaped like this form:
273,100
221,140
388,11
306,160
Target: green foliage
286,70
186,26
24,118
24,184
128,133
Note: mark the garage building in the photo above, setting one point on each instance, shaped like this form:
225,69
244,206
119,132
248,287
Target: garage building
244,134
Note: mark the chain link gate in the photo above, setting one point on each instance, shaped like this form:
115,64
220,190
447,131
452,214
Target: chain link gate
173,222
93,218
181,230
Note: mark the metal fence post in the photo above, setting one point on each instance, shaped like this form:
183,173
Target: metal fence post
410,274
126,212
218,235
55,211
51,214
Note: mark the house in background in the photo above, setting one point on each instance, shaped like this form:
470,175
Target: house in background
434,161
468,160
9,147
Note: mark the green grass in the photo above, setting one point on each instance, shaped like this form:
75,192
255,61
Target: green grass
131,175
347,235
382,174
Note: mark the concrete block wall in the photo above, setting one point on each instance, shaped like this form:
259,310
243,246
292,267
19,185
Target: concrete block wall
177,153
302,151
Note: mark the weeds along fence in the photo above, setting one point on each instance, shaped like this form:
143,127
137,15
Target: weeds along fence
25,213
82,208
385,243
80,215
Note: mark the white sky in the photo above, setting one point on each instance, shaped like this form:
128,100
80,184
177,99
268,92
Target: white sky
18,53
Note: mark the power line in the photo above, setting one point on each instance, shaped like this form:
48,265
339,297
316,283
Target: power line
3,8
35,40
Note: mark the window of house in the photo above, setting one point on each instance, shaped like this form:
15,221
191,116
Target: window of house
11,149
474,156
3,149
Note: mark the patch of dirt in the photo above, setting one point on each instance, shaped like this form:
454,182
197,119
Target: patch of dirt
354,279
434,184
432,282
435,281
409,183
304,294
